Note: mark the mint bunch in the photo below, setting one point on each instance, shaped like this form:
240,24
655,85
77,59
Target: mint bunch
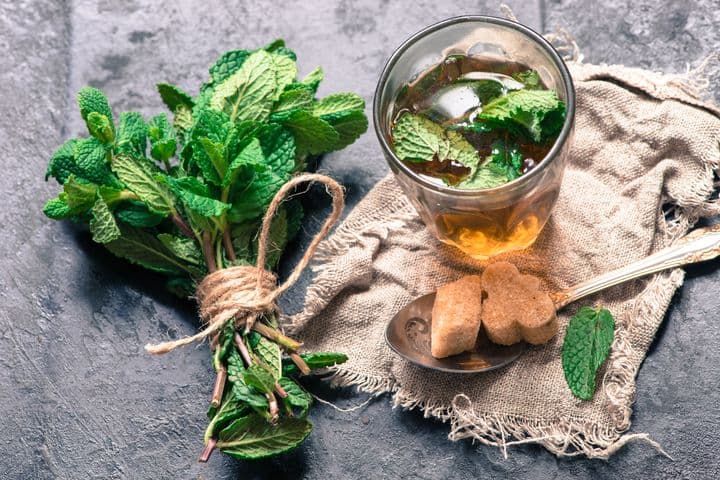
185,196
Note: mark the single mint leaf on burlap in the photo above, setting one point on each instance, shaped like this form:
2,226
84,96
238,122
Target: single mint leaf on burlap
252,437
139,177
315,360
100,127
184,248
132,135
540,113
297,397
312,134
163,141
103,227
587,343
529,78
91,100
136,214
173,97
248,94
259,377
142,248
270,355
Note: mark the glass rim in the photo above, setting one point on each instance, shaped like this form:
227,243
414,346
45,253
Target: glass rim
513,184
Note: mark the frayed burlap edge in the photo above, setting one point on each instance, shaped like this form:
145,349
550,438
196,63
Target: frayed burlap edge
563,437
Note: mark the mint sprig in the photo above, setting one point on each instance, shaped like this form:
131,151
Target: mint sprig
587,343
186,196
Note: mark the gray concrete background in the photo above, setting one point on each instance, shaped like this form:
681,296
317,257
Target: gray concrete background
79,398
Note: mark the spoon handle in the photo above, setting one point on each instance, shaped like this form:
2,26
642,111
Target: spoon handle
697,246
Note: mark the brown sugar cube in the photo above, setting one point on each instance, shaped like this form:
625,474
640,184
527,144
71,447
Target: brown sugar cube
456,317
516,309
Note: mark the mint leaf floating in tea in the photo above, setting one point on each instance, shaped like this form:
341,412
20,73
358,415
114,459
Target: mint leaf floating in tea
201,199
587,344
502,124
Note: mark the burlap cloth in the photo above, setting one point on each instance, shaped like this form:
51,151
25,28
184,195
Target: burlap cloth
640,174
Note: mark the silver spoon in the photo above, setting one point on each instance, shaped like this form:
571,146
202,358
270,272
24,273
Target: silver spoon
408,333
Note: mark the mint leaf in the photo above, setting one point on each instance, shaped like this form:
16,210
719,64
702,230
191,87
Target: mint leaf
290,100
228,63
57,208
163,141
139,177
508,159
62,164
529,78
91,162
418,139
251,156
252,437
315,360
279,150
196,196
278,46
185,249
312,80
91,100
587,343
285,72
487,176
143,249
538,112
337,103
259,377
103,227
132,135
248,94
270,355
247,395
312,134
216,128
136,214
173,97
297,397
79,196
100,127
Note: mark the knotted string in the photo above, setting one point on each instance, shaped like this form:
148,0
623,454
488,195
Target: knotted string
245,292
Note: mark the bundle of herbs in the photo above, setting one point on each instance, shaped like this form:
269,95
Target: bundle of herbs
195,206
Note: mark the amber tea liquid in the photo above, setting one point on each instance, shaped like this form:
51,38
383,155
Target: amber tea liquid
487,232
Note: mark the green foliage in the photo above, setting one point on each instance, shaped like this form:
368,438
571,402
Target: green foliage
538,113
315,361
209,174
587,343
251,438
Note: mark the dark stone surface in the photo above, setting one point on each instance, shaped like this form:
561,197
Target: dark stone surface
78,396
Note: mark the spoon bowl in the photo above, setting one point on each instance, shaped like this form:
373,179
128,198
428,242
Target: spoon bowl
408,334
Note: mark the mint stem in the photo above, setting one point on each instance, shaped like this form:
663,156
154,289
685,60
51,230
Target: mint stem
300,363
182,226
274,410
209,447
280,391
240,343
219,387
207,249
275,335
229,249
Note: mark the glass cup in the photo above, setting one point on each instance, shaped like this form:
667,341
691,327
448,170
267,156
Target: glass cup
481,223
